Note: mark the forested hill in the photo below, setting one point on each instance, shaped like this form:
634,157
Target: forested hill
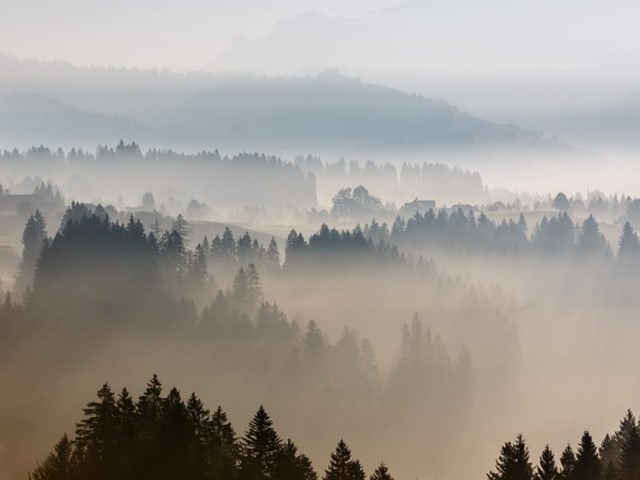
205,110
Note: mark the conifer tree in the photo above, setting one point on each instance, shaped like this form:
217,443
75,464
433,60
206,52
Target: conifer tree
127,421
342,466
609,456
97,435
149,412
198,267
198,419
181,226
629,244
260,448
243,247
590,239
175,438
381,473
546,470
587,465
228,244
522,223
33,239
240,296
629,461
568,463
59,465
254,288
513,462
223,447
273,255
293,466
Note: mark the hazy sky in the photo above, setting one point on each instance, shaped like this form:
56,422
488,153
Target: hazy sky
184,34
454,35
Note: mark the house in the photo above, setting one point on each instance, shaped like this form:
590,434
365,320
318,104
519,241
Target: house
409,209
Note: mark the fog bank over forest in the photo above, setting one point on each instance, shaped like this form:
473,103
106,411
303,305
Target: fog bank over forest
319,240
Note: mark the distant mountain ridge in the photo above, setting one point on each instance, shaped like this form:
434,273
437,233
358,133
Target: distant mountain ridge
327,112
425,34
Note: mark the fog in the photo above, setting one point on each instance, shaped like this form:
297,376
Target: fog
407,225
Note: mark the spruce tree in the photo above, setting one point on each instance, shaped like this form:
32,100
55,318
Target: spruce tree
609,456
97,435
381,473
228,244
254,288
223,447
273,255
546,470
174,447
342,466
513,462
33,239
59,465
198,419
126,435
629,244
149,409
629,461
260,448
591,240
568,463
292,465
587,462
243,247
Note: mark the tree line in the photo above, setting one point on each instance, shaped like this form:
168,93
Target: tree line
556,234
617,458
167,437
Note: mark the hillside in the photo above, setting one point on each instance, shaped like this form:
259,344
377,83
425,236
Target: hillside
196,111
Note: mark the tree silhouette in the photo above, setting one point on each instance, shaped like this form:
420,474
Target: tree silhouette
260,448
59,465
546,470
587,465
561,202
33,240
629,245
381,473
629,458
342,466
293,466
590,239
513,462
568,463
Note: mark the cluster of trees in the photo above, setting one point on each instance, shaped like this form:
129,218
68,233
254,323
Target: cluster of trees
132,151
166,437
96,275
125,249
617,458
454,230
458,230
49,193
596,203
439,181
330,245
226,250
354,204
265,174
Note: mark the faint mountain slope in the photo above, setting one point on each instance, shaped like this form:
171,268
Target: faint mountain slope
331,110
327,112
616,125
34,118
434,35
